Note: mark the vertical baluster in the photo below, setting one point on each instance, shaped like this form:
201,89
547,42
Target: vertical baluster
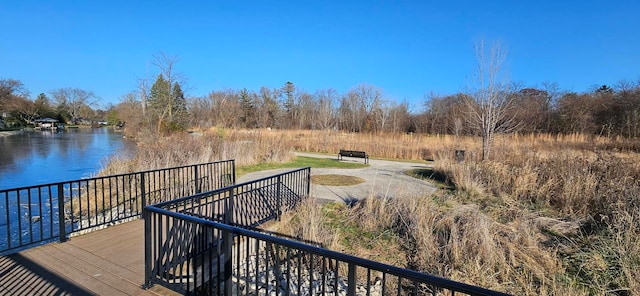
50,211
30,216
20,239
6,203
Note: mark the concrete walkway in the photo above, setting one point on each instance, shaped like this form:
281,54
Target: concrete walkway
383,178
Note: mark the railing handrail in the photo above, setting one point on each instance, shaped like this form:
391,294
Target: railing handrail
227,188
88,203
405,273
112,176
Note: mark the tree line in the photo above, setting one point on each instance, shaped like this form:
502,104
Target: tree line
492,106
605,111
68,105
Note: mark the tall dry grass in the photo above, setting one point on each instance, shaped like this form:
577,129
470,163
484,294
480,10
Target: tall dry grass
546,215
246,148
580,197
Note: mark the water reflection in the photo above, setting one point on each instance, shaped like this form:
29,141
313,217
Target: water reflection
44,156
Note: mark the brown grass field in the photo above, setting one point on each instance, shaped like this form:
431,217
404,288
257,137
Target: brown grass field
546,215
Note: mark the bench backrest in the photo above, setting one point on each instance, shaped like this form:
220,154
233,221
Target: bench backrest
352,153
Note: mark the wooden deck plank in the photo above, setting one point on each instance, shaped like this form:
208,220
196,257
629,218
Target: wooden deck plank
22,276
121,244
109,266
105,262
86,275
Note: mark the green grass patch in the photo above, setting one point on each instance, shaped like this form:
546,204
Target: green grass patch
336,180
300,162
437,178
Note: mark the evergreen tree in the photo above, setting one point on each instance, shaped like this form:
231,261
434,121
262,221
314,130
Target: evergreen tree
159,97
247,105
43,106
288,90
178,107
167,104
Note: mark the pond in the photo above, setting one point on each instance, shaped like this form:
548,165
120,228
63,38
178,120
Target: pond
38,157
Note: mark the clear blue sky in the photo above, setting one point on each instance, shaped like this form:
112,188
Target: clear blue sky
406,48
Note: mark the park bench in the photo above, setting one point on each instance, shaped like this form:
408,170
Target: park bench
351,153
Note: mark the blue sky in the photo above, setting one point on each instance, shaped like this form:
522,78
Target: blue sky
406,48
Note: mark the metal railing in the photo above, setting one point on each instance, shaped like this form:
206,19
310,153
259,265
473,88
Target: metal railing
194,247
34,215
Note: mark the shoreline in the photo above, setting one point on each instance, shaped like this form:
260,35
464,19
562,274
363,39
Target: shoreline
9,133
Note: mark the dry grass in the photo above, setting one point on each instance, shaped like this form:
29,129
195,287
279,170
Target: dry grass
247,148
547,215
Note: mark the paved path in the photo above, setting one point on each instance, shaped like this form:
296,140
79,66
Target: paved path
383,178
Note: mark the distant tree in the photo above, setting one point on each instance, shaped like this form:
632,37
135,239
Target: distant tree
74,101
10,89
445,115
574,114
159,101
364,99
489,103
43,106
165,103
178,112
604,89
22,111
289,104
224,108
305,110
350,114
532,107
268,111
200,112
399,117
325,115
128,114
246,100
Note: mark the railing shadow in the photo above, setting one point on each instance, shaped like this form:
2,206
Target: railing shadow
20,275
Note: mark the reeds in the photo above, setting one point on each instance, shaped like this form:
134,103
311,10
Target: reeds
546,215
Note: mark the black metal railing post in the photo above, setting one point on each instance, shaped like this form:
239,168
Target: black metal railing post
227,252
143,191
148,274
278,198
197,179
61,219
351,280
233,170
228,215
308,182
227,243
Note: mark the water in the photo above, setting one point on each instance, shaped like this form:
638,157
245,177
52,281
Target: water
40,157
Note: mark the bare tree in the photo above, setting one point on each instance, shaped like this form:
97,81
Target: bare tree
224,108
382,114
325,111
74,100
489,102
9,90
268,108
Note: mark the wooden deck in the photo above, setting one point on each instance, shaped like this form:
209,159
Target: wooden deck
104,262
